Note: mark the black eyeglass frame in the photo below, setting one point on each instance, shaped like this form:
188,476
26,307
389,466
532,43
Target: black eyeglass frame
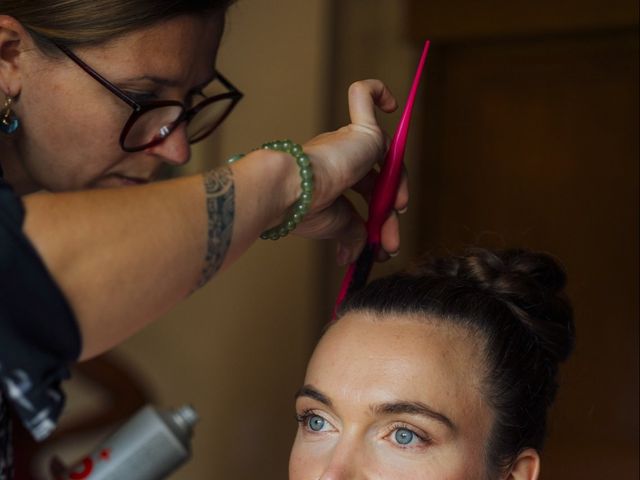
140,109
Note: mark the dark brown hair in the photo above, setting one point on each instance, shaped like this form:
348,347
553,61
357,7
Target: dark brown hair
515,300
74,23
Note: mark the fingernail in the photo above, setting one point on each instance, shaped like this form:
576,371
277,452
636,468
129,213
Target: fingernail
402,211
394,254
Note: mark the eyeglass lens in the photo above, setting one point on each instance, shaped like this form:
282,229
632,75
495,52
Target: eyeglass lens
158,122
208,118
152,125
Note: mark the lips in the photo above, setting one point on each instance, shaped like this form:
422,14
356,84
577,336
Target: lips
132,180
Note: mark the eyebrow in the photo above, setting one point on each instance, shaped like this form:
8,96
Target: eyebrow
165,82
311,392
168,82
386,408
413,408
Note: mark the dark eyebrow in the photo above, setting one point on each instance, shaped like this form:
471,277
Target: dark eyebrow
413,408
311,392
168,82
387,408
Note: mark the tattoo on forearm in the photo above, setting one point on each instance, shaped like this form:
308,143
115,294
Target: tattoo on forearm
219,191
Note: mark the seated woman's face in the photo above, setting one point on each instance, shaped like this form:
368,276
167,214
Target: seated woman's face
392,398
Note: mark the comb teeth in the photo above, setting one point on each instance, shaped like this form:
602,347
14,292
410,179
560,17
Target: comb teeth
356,276
364,263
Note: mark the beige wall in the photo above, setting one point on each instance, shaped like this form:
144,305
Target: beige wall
237,349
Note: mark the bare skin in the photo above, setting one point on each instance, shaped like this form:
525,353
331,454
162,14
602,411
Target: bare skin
396,398
124,256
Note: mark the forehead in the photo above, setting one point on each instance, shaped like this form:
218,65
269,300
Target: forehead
371,360
179,48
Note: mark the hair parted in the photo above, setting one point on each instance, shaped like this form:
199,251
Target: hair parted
75,23
514,299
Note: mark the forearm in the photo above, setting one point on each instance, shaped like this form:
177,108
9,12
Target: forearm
124,256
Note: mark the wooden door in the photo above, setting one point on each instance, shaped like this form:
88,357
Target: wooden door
532,140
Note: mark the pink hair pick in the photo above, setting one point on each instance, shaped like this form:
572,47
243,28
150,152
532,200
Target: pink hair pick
384,194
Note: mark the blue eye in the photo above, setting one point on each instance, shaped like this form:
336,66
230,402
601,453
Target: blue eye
316,423
404,436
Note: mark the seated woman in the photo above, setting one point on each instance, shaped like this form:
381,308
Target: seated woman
446,372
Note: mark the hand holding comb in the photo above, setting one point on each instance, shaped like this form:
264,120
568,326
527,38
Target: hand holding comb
384,194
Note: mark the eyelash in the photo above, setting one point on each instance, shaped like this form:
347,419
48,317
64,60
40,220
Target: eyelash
302,418
424,439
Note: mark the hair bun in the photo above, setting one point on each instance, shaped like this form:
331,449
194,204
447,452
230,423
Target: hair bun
530,284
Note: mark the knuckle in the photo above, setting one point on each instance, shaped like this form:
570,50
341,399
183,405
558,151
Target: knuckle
360,86
355,86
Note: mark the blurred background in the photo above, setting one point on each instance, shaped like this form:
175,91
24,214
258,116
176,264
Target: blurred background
525,134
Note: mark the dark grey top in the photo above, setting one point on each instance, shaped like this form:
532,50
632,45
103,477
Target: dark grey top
39,336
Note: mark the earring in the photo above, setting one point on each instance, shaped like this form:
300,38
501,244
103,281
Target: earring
9,123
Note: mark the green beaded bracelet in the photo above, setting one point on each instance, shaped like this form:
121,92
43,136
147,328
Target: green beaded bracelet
301,207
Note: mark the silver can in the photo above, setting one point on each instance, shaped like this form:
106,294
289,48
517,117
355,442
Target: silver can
150,446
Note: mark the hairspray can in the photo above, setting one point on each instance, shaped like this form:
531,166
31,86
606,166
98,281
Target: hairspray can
150,446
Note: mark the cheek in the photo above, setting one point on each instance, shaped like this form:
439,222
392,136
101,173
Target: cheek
456,463
300,465
306,460
68,140
329,455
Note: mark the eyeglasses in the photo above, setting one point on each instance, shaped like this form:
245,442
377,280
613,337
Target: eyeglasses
151,122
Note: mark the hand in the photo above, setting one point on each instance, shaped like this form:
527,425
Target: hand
344,160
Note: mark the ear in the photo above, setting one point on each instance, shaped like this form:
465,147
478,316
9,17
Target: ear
526,466
14,39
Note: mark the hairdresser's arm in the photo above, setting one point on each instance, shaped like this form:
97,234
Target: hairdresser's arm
124,256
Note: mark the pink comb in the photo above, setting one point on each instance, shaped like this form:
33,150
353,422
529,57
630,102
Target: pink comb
384,194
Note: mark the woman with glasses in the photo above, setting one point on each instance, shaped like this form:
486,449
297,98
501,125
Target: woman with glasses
102,94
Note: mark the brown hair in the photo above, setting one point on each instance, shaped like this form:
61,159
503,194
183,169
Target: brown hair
514,299
74,23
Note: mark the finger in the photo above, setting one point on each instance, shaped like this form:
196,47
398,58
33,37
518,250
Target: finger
390,235
339,221
351,238
382,256
364,96
387,144
365,186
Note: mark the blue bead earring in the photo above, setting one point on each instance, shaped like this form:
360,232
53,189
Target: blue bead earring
9,123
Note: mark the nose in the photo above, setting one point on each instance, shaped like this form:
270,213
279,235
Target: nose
175,149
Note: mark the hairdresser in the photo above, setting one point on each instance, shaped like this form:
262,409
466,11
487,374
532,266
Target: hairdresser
95,95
